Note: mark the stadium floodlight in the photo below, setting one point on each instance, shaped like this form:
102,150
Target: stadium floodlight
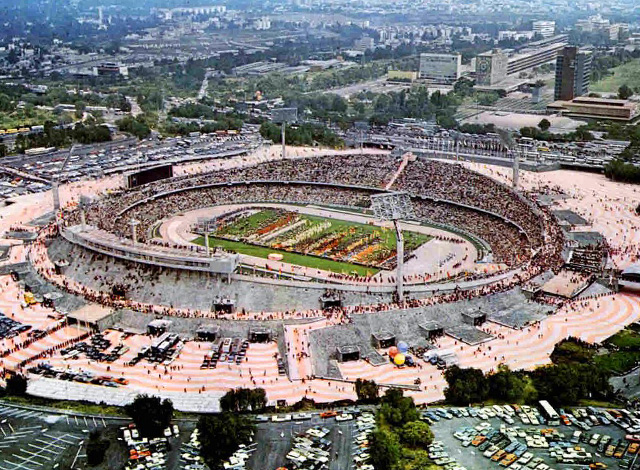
393,207
362,127
506,137
55,182
208,226
283,116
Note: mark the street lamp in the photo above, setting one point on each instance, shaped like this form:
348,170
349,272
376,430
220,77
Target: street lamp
392,207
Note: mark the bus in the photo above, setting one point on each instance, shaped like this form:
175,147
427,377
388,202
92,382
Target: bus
550,415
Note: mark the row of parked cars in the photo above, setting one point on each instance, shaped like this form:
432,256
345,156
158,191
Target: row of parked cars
145,454
190,452
95,349
9,328
227,350
47,370
311,450
441,457
364,426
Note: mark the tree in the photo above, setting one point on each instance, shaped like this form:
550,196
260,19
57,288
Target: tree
16,385
96,448
221,435
465,386
544,124
384,449
150,414
508,385
136,126
367,391
396,409
243,400
625,92
416,434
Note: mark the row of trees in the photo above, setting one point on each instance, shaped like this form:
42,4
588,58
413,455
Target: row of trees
54,137
572,377
222,124
302,134
581,134
619,170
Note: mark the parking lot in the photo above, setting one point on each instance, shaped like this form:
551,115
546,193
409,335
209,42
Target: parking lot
31,440
537,444
275,440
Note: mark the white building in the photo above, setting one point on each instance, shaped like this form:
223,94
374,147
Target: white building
262,23
440,68
545,28
364,43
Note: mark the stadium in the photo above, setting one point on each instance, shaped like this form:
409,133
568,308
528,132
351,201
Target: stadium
279,273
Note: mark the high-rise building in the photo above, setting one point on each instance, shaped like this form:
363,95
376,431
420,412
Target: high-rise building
491,67
545,28
440,68
573,69
363,44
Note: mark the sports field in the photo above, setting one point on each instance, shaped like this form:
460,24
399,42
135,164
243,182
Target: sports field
305,240
626,74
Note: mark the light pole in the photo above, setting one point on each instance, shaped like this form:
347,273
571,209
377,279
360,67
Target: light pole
392,207
283,116
512,147
55,183
361,127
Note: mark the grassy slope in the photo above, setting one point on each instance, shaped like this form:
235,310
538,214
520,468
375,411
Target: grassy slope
628,74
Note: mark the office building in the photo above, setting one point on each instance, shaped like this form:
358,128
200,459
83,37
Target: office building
545,28
537,53
491,67
573,69
440,68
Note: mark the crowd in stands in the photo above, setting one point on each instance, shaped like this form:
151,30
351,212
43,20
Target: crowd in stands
444,193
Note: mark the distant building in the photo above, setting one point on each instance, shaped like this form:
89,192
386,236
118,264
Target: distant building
111,69
491,67
537,53
544,28
515,35
262,23
440,68
573,70
597,108
363,44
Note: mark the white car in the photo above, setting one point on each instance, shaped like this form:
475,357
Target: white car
344,417
280,418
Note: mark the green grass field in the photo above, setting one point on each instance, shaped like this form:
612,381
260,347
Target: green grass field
239,229
292,258
628,74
